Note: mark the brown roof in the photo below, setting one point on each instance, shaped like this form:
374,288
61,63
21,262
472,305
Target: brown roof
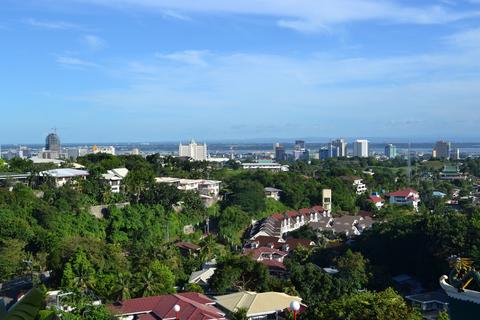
187,246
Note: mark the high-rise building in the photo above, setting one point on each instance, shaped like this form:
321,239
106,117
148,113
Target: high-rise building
280,154
193,150
300,145
339,148
390,151
360,148
456,154
443,149
324,153
52,143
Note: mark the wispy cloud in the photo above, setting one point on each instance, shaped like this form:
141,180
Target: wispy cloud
54,25
192,57
93,42
176,15
75,63
307,15
469,38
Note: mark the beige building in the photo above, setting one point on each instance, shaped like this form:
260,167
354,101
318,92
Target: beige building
265,305
193,150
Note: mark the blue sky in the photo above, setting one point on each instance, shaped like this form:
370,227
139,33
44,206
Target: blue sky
169,70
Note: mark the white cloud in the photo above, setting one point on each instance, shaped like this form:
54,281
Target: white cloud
192,57
54,25
93,42
306,15
75,63
469,38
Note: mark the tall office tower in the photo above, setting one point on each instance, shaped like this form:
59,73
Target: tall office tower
52,142
341,147
390,151
360,148
443,149
280,154
193,150
324,153
456,154
299,145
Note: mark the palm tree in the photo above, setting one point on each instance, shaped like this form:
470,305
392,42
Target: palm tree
122,286
147,284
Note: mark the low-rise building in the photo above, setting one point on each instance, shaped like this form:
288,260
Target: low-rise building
272,193
271,166
379,202
64,176
278,224
357,183
405,197
114,178
209,188
266,305
191,305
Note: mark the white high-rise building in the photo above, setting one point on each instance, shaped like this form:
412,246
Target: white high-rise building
193,150
360,148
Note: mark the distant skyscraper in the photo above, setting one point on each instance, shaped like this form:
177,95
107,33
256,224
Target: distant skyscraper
280,154
360,148
340,146
52,142
193,150
456,154
324,153
390,151
300,145
443,149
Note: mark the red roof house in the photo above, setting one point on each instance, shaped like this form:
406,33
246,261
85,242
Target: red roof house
193,306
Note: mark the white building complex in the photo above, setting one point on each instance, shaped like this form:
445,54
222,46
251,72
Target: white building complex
193,150
360,148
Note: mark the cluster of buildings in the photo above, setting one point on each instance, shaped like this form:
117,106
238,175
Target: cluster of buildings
209,190
443,150
196,306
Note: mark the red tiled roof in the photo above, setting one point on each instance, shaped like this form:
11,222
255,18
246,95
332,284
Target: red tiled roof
292,213
193,306
273,264
294,243
305,211
257,252
318,208
376,199
403,193
278,216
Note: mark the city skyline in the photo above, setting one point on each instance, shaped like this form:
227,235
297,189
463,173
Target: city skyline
172,70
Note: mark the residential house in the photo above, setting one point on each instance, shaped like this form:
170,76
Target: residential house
429,303
378,201
278,224
187,248
209,190
266,305
193,306
348,225
272,193
202,277
63,176
357,183
405,197
114,178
